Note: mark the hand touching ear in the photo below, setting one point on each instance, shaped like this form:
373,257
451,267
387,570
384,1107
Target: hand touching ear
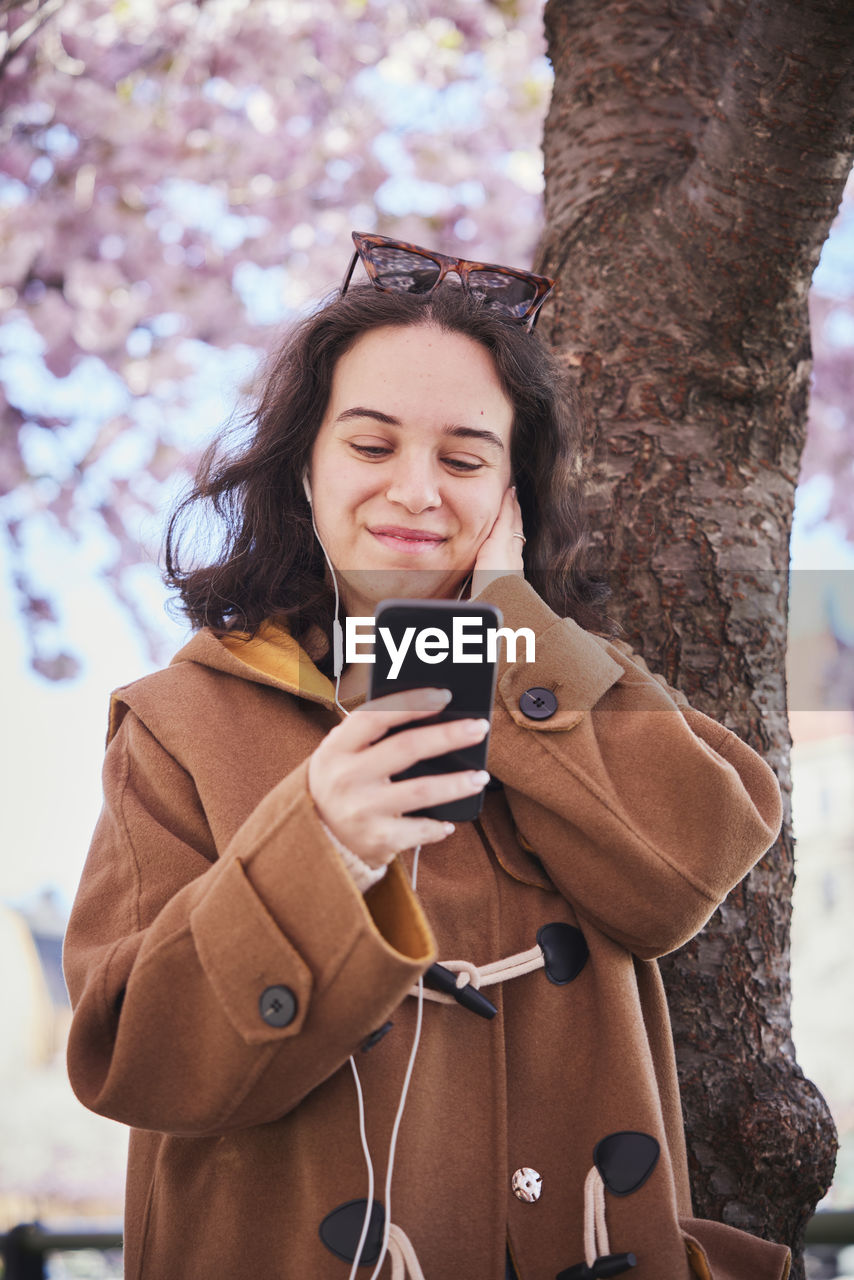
501,553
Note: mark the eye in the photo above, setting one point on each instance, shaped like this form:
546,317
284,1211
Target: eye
457,464
371,450
379,451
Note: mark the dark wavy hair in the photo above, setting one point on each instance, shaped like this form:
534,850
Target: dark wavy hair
268,563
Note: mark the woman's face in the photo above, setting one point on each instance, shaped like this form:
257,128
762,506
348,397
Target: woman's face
410,464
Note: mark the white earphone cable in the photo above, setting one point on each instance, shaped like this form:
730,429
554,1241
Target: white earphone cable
337,632
397,1119
337,667
404,1091
366,1151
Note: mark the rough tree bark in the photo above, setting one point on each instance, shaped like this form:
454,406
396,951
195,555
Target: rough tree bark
695,155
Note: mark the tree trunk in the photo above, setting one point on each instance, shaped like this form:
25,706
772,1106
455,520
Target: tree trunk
695,155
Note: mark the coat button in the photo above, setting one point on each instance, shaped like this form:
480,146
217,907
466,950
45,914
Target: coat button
538,704
527,1185
278,1006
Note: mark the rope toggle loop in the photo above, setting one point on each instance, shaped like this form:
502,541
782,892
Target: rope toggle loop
461,980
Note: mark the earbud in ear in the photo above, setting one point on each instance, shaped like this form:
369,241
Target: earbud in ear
306,486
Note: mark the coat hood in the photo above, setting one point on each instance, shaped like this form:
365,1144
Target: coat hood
271,657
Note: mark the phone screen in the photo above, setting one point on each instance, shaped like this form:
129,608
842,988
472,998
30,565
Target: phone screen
440,644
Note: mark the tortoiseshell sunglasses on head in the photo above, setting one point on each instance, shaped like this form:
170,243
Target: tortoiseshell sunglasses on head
397,266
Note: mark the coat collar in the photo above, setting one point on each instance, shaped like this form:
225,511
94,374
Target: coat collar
272,657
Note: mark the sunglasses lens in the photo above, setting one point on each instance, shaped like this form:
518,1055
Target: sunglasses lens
510,295
402,270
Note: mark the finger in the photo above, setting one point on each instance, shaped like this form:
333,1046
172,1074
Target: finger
398,752
510,515
390,834
407,833
517,510
413,700
424,793
372,720
501,526
506,512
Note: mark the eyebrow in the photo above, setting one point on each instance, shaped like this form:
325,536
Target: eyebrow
452,429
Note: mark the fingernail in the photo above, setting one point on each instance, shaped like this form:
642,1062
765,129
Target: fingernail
449,828
476,728
437,697
479,777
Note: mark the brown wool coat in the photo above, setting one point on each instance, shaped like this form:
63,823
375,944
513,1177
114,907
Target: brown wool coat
625,815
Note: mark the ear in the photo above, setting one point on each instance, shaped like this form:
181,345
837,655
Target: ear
306,486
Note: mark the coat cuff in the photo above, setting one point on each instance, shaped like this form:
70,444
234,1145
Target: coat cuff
285,912
719,1252
244,954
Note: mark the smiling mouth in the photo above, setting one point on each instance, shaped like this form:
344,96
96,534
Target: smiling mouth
407,542
412,539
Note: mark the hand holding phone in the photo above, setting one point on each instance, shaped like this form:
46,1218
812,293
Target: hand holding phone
419,643
350,773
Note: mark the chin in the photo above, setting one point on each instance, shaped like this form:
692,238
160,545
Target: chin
374,585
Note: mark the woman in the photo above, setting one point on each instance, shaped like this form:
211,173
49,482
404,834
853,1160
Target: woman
246,921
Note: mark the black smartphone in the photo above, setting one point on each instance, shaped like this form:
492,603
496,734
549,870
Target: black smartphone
440,644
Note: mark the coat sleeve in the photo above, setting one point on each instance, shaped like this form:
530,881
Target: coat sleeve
644,812
170,949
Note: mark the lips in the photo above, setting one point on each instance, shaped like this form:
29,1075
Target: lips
407,535
399,539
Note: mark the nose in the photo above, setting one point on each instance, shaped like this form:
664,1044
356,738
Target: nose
414,484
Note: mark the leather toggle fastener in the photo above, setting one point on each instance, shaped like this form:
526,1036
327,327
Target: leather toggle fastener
375,1036
610,1264
445,980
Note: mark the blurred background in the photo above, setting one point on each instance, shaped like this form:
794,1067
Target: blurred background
177,182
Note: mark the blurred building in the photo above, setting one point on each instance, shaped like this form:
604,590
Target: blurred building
821,718
57,1160
823,912
34,1008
